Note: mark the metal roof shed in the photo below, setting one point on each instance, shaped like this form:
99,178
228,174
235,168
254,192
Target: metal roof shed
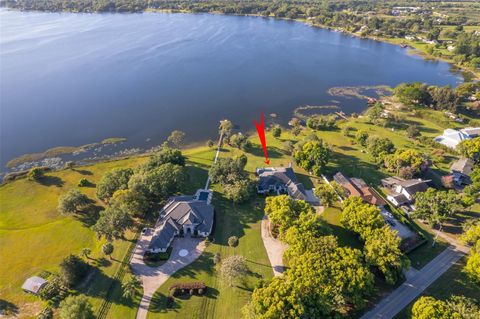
34,284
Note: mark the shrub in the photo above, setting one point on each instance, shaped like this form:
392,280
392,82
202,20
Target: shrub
47,313
188,287
170,302
36,174
84,183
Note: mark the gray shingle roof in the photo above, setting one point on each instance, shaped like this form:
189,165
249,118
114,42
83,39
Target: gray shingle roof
464,166
181,210
283,177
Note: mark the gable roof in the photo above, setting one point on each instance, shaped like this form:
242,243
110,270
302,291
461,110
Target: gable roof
180,211
34,284
413,186
451,137
471,131
358,187
283,177
463,166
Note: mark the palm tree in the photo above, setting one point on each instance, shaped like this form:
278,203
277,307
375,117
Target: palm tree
108,249
130,286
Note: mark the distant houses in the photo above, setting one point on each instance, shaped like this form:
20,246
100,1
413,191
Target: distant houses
401,191
451,138
282,180
358,187
183,215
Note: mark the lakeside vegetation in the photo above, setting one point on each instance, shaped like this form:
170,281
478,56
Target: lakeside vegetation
448,30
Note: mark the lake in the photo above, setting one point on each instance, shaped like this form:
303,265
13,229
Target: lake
72,79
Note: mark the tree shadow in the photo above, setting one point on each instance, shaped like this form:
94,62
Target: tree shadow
89,215
49,180
273,152
158,304
82,171
101,262
8,308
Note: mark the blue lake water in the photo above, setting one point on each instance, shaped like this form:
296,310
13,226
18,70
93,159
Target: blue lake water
72,79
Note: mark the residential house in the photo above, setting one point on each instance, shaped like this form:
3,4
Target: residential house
451,138
461,170
358,187
282,180
403,191
183,215
472,132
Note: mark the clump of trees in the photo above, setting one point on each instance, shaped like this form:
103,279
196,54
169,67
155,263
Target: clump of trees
76,307
72,201
453,307
233,268
405,162
176,138
72,270
231,175
470,149
419,94
322,122
112,181
471,237
240,141
436,206
313,156
382,245
36,174
328,194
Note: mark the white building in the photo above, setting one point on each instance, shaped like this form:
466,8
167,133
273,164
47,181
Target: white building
451,138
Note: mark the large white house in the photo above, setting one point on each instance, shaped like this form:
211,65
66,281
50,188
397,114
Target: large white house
183,215
451,138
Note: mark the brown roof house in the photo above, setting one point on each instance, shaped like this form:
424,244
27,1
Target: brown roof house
403,191
358,187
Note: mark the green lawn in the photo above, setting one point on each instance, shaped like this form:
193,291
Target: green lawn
221,300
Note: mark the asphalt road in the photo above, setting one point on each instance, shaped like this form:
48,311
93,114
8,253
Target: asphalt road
413,287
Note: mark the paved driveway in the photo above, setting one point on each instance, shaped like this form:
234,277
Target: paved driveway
274,248
153,277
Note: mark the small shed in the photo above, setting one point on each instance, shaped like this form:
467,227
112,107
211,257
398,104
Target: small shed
34,284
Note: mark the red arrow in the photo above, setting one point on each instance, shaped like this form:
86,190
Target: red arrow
261,134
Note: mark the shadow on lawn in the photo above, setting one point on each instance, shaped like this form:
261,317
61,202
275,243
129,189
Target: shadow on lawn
49,180
273,152
159,300
8,308
204,264
234,218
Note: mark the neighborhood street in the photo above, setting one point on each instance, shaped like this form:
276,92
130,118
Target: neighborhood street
413,287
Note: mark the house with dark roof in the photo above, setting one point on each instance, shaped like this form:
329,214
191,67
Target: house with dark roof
461,171
183,215
280,180
358,187
403,191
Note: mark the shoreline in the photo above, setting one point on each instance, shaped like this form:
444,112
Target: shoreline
474,75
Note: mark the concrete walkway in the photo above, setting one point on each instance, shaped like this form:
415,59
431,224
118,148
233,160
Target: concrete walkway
274,248
153,277
391,305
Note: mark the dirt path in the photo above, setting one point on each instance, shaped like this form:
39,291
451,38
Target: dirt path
274,248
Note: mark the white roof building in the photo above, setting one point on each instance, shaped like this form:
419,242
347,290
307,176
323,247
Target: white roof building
34,284
471,131
451,138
